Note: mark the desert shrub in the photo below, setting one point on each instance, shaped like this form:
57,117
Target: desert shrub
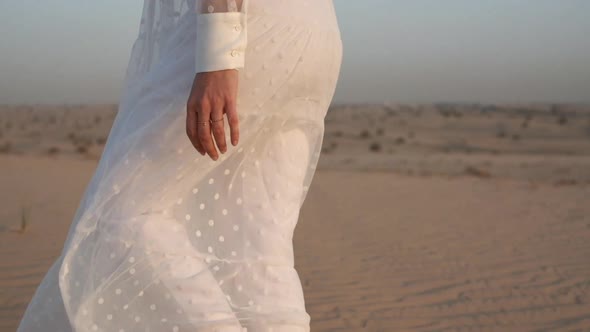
375,147
53,150
82,149
6,147
365,133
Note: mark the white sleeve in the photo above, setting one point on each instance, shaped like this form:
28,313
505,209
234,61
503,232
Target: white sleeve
221,36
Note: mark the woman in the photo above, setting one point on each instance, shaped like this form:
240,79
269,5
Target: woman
168,239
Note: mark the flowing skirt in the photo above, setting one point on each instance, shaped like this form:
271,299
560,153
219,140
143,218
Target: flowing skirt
165,239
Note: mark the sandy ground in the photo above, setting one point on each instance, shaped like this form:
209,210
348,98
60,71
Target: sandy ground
419,218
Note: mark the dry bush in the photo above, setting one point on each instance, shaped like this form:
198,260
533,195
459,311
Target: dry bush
53,150
365,134
82,149
6,147
375,147
474,171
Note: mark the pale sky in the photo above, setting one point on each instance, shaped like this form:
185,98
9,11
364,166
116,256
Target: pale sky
394,51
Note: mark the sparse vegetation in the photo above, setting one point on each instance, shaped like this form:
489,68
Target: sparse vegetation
566,182
53,150
24,220
474,171
328,149
375,147
6,147
448,111
390,111
82,149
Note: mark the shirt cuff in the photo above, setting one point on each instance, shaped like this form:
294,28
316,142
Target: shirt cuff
221,41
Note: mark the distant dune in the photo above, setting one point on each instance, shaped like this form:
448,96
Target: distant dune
445,217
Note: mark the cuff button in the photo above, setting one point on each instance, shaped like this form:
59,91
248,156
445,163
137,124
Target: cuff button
234,53
237,27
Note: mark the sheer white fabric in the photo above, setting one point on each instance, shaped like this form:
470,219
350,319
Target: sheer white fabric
165,239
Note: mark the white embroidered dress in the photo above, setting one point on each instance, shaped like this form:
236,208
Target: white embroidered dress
166,239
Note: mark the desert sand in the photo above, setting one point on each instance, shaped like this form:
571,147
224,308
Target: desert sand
447,217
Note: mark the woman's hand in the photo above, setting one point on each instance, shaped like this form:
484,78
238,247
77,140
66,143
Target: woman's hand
212,95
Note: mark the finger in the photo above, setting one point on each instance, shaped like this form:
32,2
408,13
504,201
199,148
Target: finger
200,147
232,119
205,131
218,129
192,129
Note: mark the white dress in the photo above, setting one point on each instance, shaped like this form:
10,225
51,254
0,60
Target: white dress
166,239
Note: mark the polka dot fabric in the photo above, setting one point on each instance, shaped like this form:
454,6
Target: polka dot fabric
165,239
